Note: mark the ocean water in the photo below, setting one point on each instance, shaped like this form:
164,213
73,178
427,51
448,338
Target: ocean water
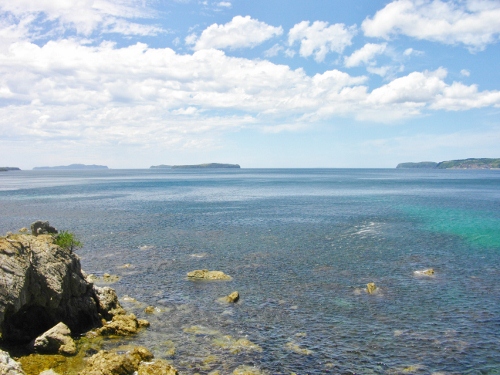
301,245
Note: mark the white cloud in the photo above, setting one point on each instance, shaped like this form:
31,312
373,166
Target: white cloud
319,39
140,95
465,72
365,54
240,32
473,23
411,51
224,4
85,16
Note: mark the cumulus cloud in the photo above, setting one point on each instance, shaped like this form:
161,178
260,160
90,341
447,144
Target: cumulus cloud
85,16
143,95
319,39
365,54
240,32
473,23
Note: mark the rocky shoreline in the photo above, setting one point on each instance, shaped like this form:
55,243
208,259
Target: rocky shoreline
53,319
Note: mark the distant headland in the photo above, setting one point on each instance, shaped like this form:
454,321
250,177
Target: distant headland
196,166
75,166
6,169
471,163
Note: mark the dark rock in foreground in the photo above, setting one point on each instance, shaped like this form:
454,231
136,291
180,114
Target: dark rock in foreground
42,284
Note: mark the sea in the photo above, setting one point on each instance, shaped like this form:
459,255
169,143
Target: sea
300,245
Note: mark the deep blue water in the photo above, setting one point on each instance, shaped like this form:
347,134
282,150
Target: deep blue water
301,246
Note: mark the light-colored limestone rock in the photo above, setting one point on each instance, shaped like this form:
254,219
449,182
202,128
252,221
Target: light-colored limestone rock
108,363
56,340
427,272
8,366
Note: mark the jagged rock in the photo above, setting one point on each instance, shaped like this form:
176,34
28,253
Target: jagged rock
158,367
122,325
108,302
56,340
42,227
8,366
371,288
108,363
42,285
208,275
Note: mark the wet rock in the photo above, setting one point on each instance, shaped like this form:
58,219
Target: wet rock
232,298
371,288
108,363
427,272
49,372
56,340
42,285
122,325
149,310
159,367
8,366
208,275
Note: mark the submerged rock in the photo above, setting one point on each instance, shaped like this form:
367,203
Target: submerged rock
296,348
158,367
248,370
56,340
208,275
371,288
8,366
235,346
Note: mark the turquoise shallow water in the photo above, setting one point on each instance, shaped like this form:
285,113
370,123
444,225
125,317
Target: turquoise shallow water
301,246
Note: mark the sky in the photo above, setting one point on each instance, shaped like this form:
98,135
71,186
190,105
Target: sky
261,83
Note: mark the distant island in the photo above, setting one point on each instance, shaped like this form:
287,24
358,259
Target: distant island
6,169
208,165
75,166
471,163
196,166
161,166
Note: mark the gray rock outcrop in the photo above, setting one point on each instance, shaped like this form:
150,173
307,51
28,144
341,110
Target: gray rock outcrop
41,284
42,227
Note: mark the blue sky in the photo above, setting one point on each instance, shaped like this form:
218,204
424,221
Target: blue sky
283,83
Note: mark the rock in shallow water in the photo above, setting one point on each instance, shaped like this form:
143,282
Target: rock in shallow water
108,363
208,275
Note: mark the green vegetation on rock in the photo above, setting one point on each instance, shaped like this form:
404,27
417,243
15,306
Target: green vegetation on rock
67,240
